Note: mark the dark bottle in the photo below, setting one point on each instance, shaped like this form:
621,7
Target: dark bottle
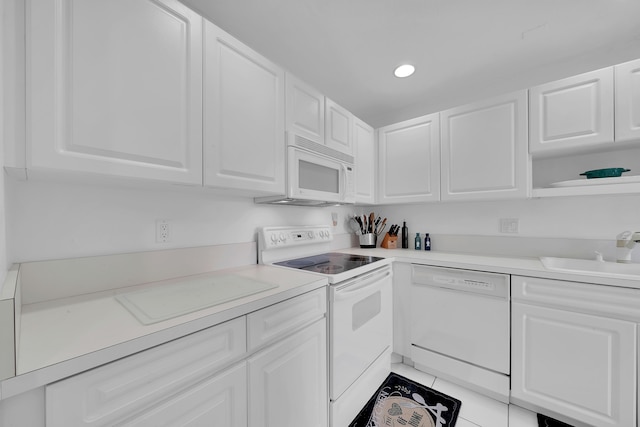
405,235
417,241
427,242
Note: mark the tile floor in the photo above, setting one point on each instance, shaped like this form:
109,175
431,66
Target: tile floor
477,410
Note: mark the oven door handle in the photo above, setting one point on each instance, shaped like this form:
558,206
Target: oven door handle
365,285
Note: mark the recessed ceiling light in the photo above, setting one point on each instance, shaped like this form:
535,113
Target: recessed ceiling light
404,70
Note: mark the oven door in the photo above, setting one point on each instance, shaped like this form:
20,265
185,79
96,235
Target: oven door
360,326
313,176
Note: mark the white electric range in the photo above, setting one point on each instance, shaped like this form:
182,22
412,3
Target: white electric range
360,310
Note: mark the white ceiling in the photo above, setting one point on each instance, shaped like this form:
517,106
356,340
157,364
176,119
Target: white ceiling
463,50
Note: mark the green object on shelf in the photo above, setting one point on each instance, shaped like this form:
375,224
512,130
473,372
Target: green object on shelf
605,173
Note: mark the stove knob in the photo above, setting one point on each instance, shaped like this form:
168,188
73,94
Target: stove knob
274,238
282,237
310,234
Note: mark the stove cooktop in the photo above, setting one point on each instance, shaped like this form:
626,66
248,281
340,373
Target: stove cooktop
329,263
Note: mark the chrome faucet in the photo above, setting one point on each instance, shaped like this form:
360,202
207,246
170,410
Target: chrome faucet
625,242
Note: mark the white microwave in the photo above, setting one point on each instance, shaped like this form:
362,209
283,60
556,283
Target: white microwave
315,178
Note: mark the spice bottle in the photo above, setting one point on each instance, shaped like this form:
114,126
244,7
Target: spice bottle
405,235
417,241
427,242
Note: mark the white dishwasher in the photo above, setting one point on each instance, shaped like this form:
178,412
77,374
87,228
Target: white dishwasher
460,327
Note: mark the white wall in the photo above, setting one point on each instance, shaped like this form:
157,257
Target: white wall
594,217
50,220
3,255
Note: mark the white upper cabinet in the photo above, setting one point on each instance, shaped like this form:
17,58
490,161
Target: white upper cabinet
409,161
338,129
572,114
244,145
484,149
365,154
115,88
627,78
304,109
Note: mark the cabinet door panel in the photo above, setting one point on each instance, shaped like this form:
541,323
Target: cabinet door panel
305,109
244,117
365,155
278,320
218,401
115,88
288,381
338,127
572,114
409,155
628,101
484,149
577,365
129,386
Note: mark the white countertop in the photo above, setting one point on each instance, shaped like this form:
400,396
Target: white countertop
59,338
497,264
65,336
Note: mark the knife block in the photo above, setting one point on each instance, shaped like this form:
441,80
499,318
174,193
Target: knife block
389,242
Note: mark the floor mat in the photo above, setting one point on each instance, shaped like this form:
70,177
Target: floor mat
544,421
402,402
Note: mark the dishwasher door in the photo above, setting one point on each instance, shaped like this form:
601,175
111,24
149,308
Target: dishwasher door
462,314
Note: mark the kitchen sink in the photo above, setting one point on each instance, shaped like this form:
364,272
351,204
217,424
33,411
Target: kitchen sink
593,267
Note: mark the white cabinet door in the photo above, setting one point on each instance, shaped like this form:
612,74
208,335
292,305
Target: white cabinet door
627,82
365,155
484,149
288,381
577,365
131,386
402,308
217,401
409,161
572,114
115,88
338,131
304,110
244,145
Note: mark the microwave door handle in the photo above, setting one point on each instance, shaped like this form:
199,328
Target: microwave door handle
343,190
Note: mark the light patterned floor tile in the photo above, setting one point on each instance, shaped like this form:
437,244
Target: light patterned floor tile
461,422
520,417
478,409
413,374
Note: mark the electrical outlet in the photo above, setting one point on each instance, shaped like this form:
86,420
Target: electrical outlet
163,231
509,225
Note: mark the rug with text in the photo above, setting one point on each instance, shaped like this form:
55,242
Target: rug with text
400,402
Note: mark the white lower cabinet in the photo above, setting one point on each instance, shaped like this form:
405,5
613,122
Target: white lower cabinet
210,378
155,381
574,351
288,381
218,401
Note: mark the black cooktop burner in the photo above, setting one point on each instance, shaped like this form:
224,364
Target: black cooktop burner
330,263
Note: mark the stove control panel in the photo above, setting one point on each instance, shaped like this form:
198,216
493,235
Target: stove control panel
272,237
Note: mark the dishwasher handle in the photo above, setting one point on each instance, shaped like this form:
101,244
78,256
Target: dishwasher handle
481,283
